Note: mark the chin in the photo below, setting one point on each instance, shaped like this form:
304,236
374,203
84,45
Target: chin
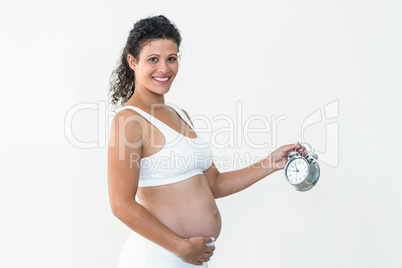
161,92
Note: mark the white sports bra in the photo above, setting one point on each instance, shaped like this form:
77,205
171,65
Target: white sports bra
181,157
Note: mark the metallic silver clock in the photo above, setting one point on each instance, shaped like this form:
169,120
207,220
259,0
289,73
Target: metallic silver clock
302,170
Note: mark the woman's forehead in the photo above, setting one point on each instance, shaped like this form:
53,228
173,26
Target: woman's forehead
160,45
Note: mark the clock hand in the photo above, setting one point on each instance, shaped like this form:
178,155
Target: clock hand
297,170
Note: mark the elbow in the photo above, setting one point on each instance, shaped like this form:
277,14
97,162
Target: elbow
119,207
128,211
216,192
218,195
219,190
116,208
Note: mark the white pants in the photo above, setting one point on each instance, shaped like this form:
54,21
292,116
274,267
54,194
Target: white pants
139,252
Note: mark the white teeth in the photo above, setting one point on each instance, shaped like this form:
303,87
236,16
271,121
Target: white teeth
161,79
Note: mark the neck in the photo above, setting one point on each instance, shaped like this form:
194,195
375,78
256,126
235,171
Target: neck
145,98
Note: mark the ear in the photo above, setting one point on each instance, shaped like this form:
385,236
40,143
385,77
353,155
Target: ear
131,62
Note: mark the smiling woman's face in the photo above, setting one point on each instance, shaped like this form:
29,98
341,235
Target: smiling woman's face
157,66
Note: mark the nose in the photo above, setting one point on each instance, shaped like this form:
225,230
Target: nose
163,67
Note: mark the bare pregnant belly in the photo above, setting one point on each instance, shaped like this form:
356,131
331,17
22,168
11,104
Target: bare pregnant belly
187,207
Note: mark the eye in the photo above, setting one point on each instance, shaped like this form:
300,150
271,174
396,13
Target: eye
172,59
154,59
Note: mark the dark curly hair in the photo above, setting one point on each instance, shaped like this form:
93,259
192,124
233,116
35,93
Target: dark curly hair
122,81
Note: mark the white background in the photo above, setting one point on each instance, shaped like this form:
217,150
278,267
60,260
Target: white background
276,58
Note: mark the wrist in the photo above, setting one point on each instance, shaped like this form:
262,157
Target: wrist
268,165
179,246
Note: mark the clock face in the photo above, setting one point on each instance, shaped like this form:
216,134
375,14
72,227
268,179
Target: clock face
297,170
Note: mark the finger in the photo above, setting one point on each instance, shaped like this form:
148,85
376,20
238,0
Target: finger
209,254
210,249
208,240
286,149
294,146
300,148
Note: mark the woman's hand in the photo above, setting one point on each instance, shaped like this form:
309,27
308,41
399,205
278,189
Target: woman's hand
279,157
196,252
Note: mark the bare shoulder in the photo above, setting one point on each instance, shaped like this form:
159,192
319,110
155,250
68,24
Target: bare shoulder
130,126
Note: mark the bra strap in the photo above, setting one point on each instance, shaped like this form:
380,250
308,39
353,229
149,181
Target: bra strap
153,120
182,114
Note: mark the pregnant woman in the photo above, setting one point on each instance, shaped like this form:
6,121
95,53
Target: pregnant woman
161,178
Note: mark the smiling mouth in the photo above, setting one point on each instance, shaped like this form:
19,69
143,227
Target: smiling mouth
161,79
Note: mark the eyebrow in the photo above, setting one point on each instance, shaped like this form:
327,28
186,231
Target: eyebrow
159,55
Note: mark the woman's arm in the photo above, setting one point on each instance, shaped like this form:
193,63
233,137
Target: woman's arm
124,154
227,183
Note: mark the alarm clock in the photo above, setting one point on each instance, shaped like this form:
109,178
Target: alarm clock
302,170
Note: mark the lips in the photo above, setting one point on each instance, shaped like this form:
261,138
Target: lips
161,79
